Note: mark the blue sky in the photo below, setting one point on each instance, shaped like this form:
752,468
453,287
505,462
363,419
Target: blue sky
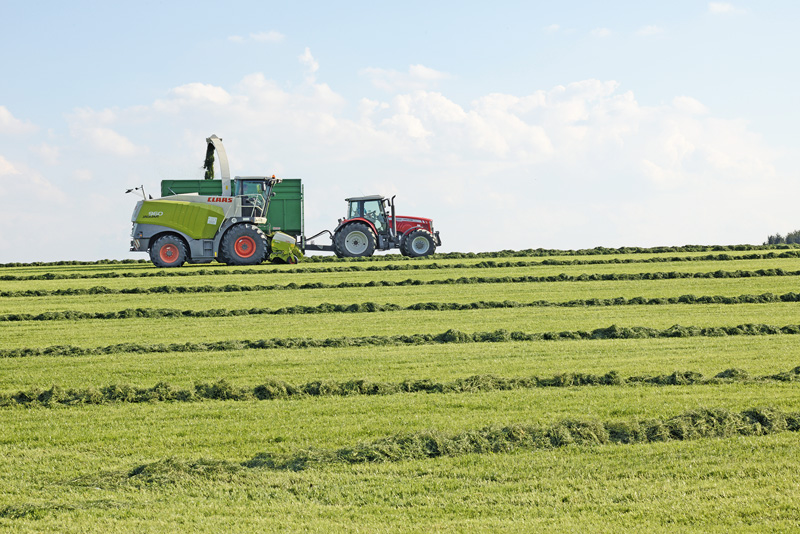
516,125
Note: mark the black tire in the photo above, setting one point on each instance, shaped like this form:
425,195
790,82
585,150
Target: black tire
244,244
168,251
356,240
418,243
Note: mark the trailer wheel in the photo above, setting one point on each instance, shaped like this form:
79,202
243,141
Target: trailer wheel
244,244
418,243
354,241
168,251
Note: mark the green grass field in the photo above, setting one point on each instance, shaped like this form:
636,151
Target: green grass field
705,455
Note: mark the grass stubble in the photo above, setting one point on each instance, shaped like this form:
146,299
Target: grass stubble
482,433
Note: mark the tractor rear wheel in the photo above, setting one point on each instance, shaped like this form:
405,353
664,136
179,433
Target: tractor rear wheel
244,244
418,243
354,241
168,251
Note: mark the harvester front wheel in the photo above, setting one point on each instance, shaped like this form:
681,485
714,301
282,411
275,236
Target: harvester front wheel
418,243
354,241
168,251
244,244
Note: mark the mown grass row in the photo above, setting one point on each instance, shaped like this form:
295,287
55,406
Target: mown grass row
234,288
493,439
389,267
450,336
373,307
456,255
274,389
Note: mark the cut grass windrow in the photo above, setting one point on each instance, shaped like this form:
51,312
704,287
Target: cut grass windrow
451,336
373,307
391,267
494,439
539,252
234,288
274,389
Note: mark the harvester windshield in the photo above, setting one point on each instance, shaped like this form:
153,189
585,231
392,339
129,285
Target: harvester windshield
254,193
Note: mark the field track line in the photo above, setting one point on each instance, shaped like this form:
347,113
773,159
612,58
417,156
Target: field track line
274,389
451,336
691,425
489,264
234,288
372,307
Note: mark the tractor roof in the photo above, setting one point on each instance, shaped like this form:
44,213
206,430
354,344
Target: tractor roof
368,197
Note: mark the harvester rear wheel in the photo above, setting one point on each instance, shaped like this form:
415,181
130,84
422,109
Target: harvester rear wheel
168,251
354,241
418,243
244,244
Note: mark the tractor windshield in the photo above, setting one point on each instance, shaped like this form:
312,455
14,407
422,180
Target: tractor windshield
373,212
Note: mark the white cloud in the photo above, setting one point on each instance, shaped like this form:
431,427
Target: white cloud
107,140
47,153
724,8
308,60
689,105
418,77
93,129
10,125
6,168
648,31
201,93
312,66
268,37
198,95
553,28
601,32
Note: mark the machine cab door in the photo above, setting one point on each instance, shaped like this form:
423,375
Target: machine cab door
254,195
371,210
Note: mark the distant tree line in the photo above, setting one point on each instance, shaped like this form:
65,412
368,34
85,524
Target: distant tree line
778,239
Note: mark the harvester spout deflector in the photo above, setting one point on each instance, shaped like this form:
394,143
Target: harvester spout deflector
215,143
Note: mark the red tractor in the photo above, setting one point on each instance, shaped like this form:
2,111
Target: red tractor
372,224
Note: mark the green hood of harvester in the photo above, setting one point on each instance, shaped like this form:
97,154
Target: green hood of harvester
198,221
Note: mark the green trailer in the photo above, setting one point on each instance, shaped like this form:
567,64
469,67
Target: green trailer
285,207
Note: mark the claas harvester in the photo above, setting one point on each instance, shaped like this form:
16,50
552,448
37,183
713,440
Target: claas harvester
250,219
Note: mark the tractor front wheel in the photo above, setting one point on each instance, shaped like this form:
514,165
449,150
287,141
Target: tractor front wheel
354,241
244,244
168,251
418,243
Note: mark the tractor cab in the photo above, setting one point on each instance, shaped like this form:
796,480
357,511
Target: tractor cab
372,208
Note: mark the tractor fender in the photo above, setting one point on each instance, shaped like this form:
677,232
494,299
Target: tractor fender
356,219
418,227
